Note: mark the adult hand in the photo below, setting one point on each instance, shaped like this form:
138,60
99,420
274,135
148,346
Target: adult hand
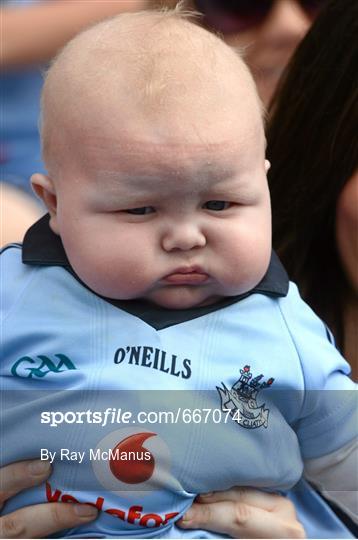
40,520
244,513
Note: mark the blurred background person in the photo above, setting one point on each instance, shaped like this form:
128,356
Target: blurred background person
313,149
268,31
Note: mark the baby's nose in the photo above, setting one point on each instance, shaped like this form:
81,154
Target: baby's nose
184,236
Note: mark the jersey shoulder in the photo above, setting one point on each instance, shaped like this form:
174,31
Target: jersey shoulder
15,277
330,398
312,340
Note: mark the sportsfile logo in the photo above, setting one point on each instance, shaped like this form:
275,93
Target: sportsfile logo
26,367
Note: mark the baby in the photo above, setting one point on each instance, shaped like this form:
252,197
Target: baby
153,271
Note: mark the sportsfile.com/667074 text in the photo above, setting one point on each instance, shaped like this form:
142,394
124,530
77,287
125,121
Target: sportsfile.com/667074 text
112,415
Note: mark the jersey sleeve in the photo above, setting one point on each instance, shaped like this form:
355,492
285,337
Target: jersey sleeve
328,418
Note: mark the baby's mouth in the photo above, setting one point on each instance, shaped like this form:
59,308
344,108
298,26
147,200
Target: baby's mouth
187,276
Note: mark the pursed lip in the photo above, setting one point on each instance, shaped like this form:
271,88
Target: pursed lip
186,275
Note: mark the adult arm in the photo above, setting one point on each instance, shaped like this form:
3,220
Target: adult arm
34,33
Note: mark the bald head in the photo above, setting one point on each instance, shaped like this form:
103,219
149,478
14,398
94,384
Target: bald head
152,66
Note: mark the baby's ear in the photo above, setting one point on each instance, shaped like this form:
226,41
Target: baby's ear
267,166
44,188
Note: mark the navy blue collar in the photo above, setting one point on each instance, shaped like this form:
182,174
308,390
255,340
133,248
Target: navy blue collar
41,247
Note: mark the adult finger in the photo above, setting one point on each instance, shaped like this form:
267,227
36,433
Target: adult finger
252,497
22,475
41,520
240,520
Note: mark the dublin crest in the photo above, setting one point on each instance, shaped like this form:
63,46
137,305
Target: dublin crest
241,400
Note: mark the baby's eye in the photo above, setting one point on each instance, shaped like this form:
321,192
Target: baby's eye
141,211
216,205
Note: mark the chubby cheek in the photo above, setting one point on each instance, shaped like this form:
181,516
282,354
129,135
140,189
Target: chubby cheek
111,263
246,252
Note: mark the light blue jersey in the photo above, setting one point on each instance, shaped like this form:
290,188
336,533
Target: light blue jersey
253,385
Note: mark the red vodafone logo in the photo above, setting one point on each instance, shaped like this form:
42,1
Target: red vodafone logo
130,460
132,515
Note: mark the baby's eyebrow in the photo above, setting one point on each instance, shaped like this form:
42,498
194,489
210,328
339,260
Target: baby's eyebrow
135,181
207,173
145,188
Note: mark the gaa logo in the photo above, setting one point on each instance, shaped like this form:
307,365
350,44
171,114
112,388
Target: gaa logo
128,460
41,366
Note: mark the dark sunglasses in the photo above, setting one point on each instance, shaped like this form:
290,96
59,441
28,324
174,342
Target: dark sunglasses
230,16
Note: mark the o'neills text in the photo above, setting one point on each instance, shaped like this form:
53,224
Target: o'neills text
155,359
133,515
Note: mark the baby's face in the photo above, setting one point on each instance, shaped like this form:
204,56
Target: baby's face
165,217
